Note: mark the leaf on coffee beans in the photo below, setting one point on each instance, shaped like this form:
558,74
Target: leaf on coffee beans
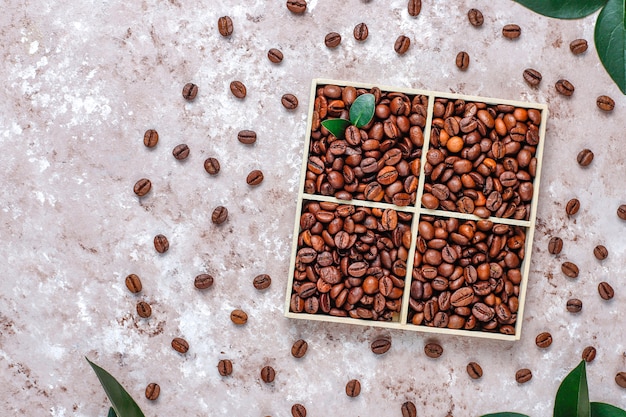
563,9
362,110
606,410
505,414
610,41
337,126
572,397
122,403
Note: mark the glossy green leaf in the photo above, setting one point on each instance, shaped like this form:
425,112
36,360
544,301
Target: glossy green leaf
606,410
337,126
111,413
505,414
122,403
362,109
572,398
563,9
610,40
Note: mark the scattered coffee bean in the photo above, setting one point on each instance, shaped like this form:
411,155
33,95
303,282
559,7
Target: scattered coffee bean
353,388
361,32
275,55
203,281
578,46
433,350
225,367
212,166
532,77
144,310
589,354
332,39
239,317
523,375
574,305
475,17
161,244
238,89
543,340
585,157
414,7
268,374
402,44
190,91
600,252
150,138
180,345
298,410
569,269
225,26
555,245
462,60
255,177
621,212
219,215
606,291
564,87
408,409
262,282
620,379
511,31
152,391
572,206
289,101
142,187
605,103
474,370
296,6
133,283
299,348
381,345
181,151
247,137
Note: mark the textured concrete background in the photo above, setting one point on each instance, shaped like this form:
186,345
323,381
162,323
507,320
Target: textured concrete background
84,80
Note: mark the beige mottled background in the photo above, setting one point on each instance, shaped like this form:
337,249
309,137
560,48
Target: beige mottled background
84,79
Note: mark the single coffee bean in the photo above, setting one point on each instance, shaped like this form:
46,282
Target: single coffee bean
543,340
181,151
212,166
572,207
262,282
247,137
621,212
361,32
289,101
381,345
555,245
569,269
152,391
142,187
225,26
600,252
332,39
275,55
150,138
180,345
190,91
255,177
620,379
133,283
574,305
161,244
511,31
353,388
296,6
203,281
474,370
239,317
589,354
408,409
299,348
606,291
219,215
402,44
433,350
585,157
298,410
475,17
268,374
605,103
523,375
532,77
578,46
238,89
564,87
462,60
414,7
225,367
144,310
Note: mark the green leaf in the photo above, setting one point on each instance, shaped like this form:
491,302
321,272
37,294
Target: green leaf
572,398
111,413
362,109
122,403
606,410
610,40
505,414
563,9
337,126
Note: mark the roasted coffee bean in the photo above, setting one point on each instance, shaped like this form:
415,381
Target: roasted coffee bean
152,391
142,187
255,177
475,17
589,354
225,26
298,410
203,281
150,138
181,151
585,157
600,252
414,7
299,348
569,269
180,345
462,60
572,206
238,89
381,345
247,137
433,350
606,291
296,6
578,46
532,77
543,340
523,375
402,44
144,310
353,388
238,317
621,212
361,32
262,282
511,31
289,101
564,87
190,91
219,215
133,283
225,367
212,166
161,244
275,55
574,305
332,39
408,409
555,245
620,379
474,370
268,374
605,103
